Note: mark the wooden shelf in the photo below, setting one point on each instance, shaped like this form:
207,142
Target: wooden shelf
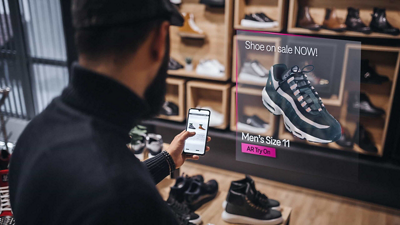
275,9
193,74
217,25
317,11
207,94
176,93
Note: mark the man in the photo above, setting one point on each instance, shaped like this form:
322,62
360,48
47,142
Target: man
71,164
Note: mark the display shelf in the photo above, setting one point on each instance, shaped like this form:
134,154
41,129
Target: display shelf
193,74
274,9
217,25
267,59
208,94
176,93
317,11
251,106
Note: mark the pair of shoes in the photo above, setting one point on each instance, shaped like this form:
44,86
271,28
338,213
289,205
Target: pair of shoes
193,191
244,204
174,65
252,124
369,75
194,128
360,103
183,213
190,29
216,118
289,93
140,141
210,68
331,21
253,71
258,20
169,109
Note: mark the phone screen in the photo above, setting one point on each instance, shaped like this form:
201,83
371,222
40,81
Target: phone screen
198,120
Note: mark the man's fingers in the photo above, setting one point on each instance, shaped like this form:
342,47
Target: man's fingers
180,134
186,134
192,157
208,139
207,149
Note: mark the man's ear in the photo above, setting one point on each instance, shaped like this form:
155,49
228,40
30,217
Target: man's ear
159,44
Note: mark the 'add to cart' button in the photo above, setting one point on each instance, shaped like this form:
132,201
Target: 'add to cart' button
258,150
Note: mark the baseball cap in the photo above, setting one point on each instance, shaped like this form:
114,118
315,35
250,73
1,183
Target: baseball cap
88,14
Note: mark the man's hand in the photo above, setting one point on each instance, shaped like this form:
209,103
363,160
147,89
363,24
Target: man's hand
176,148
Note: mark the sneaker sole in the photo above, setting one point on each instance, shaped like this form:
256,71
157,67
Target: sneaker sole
276,110
278,208
232,218
191,35
250,23
197,221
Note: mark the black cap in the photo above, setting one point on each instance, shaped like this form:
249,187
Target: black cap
88,14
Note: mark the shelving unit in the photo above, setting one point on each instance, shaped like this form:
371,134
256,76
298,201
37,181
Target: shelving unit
317,11
275,9
217,24
208,94
176,93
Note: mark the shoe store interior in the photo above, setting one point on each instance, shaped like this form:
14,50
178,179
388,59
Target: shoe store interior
354,178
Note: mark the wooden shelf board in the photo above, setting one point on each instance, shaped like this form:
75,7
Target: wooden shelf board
273,29
193,74
298,30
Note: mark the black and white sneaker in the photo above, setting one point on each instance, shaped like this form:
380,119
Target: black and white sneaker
253,71
252,124
243,207
199,193
260,197
258,20
174,65
182,210
289,93
154,144
169,109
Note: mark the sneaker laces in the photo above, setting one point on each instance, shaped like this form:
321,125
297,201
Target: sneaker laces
302,87
5,199
262,198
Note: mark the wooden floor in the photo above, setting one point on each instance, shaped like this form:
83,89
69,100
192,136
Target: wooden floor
308,207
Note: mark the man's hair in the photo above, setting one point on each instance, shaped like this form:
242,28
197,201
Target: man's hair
120,42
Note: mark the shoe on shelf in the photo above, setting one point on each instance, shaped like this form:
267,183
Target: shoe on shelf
169,109
252,124
174,65
210,68
260,197
380,23
332,22
345,140
354,23
243,207
154,144
369,75
191,126
6,215
182,210
181,185
258,20
316,82
289,93
253,71
190,29
305,20
138,141
213,3
216,118
365,140
360,103
199,193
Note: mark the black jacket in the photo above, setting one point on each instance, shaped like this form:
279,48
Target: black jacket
71,164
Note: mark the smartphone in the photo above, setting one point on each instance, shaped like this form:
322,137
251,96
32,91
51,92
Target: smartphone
198,121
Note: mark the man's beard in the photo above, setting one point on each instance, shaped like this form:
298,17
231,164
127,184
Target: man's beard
155,93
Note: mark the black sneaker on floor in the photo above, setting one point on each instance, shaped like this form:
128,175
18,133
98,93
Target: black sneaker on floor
183,211
243,207
199,193
261,198
181,185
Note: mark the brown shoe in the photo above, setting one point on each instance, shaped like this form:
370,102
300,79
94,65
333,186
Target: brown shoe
190,29
305,20
332,22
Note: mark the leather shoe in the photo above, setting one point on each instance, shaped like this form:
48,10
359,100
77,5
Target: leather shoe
332,22
369,75
305,20
362,104
365,140
379,23
354,22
